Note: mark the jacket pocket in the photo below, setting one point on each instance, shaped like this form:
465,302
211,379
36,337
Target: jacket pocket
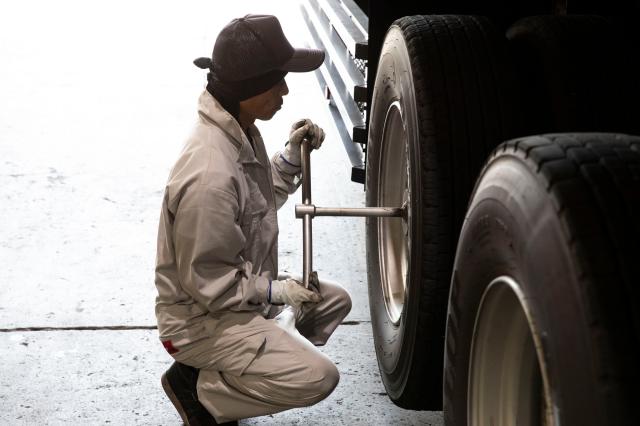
251,226
235,341
228,344
237,359
251,221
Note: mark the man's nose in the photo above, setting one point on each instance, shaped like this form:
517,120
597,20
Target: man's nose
284,90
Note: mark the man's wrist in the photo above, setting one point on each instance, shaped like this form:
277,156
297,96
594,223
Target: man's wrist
291,156
270,292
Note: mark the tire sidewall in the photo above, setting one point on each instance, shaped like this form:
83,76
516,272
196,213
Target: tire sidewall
394,82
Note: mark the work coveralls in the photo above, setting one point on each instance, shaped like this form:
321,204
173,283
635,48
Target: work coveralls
217,250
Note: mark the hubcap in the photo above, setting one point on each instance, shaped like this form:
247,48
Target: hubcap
508,383
393,233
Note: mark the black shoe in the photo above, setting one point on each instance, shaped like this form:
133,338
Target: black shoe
179,383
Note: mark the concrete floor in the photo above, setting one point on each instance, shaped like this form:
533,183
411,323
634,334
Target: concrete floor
96,102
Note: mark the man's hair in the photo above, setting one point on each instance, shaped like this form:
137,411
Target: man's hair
231,105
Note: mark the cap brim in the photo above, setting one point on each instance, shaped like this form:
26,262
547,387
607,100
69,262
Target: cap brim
304,60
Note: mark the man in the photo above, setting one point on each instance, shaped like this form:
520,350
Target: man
217,262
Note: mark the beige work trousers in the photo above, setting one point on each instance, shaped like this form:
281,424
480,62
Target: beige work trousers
286,371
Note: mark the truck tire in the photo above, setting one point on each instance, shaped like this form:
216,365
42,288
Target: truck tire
578,74
439,106
543,322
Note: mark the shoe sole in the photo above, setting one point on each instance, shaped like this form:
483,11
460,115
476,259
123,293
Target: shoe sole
174,399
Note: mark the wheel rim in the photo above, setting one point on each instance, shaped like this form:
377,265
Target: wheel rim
393,233
508,383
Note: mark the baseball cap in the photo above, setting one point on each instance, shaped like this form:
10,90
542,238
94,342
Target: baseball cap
255,45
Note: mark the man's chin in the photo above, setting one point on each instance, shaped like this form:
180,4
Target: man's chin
268,117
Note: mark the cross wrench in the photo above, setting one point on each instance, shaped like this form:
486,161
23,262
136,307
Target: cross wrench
307,211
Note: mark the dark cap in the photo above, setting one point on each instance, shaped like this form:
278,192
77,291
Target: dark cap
255,45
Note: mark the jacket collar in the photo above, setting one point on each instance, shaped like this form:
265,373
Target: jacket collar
210,110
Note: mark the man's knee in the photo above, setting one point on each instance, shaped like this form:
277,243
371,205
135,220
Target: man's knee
317,380
325,379
345,302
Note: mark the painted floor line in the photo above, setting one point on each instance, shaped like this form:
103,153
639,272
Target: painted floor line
112,327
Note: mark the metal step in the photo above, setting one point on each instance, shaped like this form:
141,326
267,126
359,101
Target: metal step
336,26
354,150
353,35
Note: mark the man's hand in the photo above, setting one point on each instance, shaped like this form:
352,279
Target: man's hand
291,292
306,128
300,130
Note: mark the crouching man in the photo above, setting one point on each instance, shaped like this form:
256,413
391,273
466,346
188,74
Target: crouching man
217,260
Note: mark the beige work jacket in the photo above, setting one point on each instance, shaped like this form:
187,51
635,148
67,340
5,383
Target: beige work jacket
218,233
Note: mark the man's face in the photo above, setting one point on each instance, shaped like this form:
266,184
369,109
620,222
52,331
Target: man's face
265,105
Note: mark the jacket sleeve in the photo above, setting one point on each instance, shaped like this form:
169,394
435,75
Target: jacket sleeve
286,178
209,243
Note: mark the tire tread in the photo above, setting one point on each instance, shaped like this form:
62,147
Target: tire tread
463,91
593,182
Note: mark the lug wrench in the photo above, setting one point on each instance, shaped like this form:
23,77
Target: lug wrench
307,211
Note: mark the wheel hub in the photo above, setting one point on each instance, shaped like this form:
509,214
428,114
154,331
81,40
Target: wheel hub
394,233
507,380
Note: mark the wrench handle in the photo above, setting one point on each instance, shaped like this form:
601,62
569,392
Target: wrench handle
307,234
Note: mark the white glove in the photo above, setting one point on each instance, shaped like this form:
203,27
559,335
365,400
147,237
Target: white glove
301,129
291,292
